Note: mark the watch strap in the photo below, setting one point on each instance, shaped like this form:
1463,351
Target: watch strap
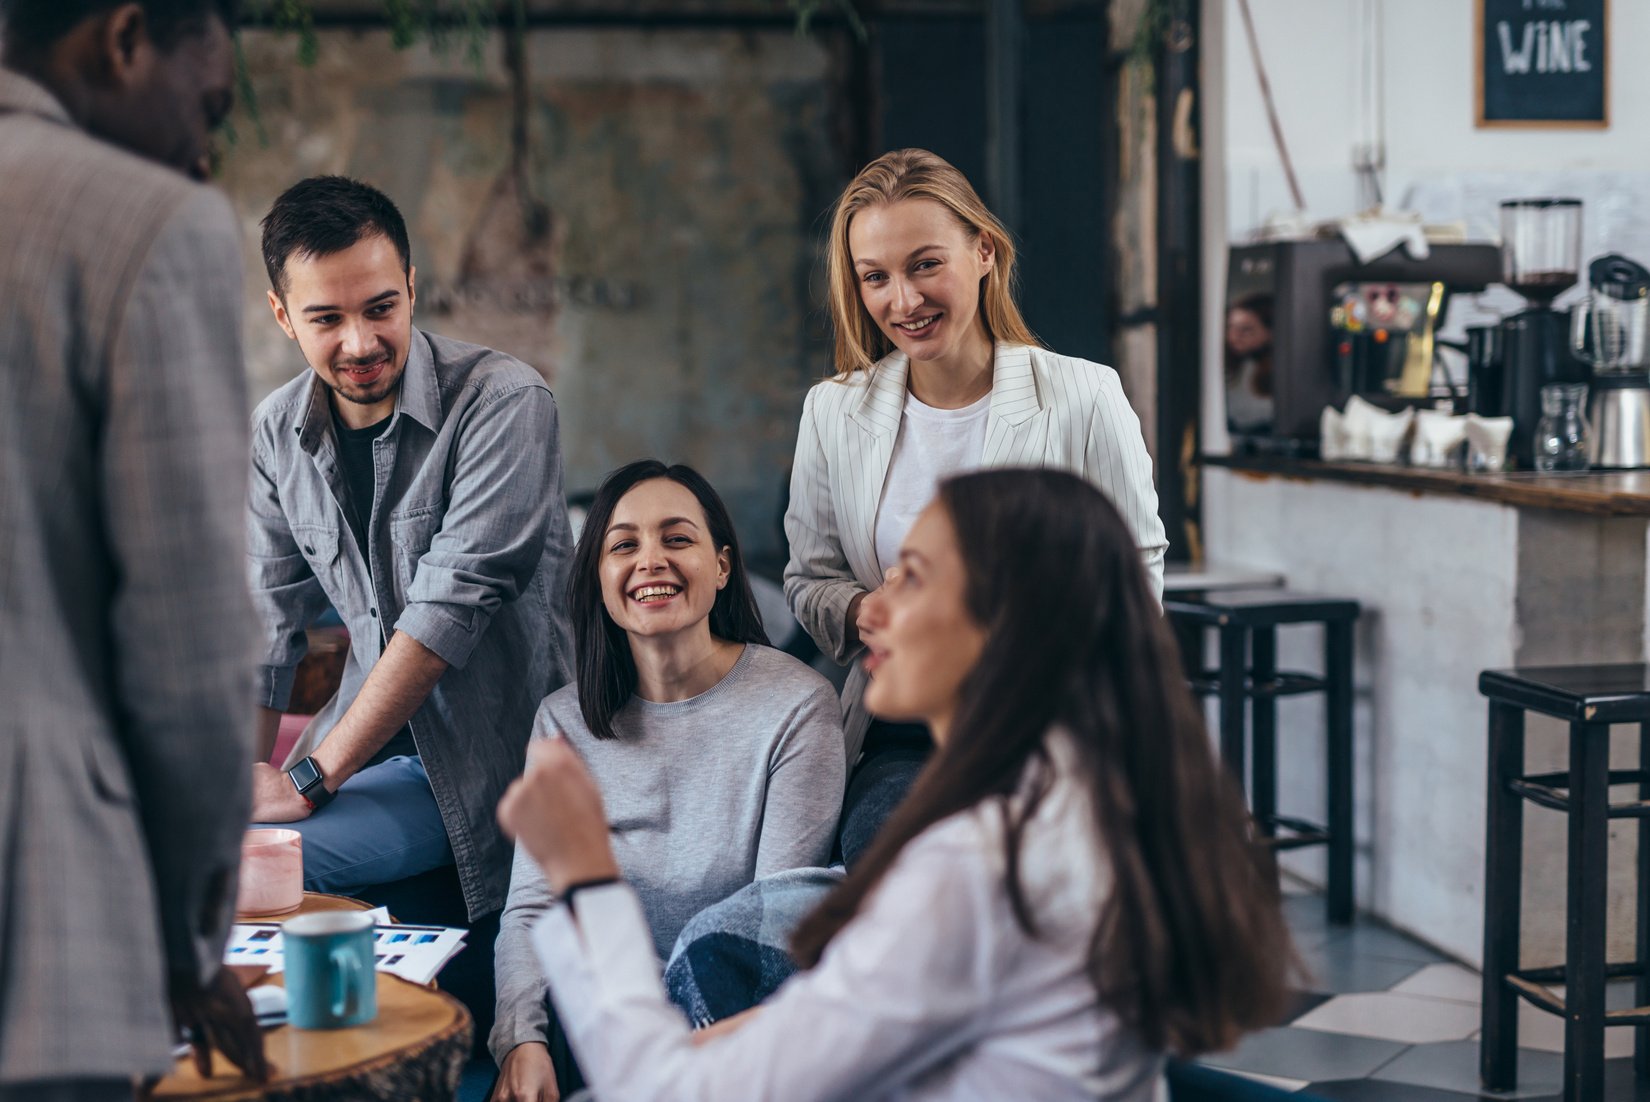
315,793
566,894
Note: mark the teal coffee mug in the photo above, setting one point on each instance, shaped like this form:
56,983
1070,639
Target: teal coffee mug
330,982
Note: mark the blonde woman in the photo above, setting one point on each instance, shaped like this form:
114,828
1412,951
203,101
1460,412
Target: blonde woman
937,374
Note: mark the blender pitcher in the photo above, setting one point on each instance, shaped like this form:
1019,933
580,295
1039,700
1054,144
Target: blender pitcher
1610,329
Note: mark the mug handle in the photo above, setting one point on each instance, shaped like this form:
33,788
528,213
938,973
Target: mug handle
1580,338
346,972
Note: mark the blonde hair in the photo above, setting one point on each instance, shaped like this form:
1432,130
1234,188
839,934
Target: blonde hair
915,174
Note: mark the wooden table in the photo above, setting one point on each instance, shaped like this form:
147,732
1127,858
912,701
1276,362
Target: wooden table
321,670
414,1050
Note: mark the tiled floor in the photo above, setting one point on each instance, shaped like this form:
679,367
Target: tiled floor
1386,1019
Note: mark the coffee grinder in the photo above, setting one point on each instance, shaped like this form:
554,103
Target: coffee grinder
1540,259
1610,330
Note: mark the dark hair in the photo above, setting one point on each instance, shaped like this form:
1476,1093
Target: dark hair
29,25
607,671
1259,304
1189,948
324,215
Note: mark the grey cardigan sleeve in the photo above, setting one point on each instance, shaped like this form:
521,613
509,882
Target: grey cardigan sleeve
519,1012
520,1015
807,773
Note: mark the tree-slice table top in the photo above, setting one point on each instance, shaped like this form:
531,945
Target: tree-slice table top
414,1049
313,903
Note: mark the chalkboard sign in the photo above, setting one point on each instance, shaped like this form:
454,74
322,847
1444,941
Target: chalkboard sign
1543,63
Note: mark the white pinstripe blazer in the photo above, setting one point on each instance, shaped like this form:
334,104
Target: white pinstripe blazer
1046,410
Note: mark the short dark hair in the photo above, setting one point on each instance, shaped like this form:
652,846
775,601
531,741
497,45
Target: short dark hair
607,671
324,215
29,25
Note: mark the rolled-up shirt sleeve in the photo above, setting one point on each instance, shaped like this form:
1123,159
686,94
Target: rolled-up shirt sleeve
505,491
286,595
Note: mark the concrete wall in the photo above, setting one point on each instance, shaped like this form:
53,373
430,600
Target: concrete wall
671,304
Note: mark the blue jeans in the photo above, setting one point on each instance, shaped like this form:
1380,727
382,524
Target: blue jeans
382,826
894,754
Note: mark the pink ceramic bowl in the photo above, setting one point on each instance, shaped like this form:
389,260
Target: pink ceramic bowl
272,873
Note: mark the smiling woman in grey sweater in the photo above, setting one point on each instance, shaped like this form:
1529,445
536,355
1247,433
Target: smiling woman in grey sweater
722,759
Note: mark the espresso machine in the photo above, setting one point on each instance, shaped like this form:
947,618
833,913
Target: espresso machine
1283,299
1610,329
1540,259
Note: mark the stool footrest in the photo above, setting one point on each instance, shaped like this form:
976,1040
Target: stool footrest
1536,994
1552,790
1626,969
1530,984
1301,832
1282,683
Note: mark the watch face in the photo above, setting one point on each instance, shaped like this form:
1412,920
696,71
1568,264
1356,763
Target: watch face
304,774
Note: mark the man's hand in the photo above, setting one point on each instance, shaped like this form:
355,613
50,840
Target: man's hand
274,799
556,811
218,1016
527,1075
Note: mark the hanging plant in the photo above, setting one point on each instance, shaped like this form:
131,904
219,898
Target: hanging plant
1151,34
441,23
805,11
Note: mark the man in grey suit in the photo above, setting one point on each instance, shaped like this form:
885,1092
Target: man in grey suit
125,623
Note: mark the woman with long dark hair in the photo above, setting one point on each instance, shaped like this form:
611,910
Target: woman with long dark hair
1069,893
937,373
1248,364
722,758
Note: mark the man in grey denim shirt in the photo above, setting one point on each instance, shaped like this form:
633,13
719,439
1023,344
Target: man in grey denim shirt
415,483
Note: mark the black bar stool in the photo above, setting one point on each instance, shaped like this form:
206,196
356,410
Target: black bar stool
1247,621
1590,699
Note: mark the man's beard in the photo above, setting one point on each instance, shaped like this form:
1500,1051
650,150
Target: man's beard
366,398
372,393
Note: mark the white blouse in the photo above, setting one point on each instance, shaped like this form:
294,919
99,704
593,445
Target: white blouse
933,445
932,992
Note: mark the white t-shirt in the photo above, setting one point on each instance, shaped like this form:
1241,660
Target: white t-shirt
933,444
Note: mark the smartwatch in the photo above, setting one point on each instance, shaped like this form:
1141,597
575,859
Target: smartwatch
307,779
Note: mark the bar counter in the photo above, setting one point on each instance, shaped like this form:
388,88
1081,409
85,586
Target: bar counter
1456,574
1597,493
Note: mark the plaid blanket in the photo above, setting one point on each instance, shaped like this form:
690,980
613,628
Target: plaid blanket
732,955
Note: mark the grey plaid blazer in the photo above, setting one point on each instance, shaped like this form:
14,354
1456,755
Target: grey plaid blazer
125,625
